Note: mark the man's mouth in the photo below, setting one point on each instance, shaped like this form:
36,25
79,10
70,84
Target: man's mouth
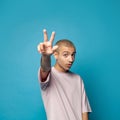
69,65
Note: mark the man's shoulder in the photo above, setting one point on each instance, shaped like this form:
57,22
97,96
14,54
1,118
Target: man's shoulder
75,75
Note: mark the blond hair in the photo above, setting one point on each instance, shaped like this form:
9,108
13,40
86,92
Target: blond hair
64,42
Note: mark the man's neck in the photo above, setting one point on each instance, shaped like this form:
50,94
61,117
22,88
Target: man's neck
60,69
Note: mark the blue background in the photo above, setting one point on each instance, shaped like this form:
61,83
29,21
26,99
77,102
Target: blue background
94,28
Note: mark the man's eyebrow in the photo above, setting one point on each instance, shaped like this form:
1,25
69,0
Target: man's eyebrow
66,51
69,52
74,52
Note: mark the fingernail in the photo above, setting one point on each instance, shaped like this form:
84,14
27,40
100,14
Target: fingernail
44,30
53,32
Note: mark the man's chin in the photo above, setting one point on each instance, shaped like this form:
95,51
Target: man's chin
67,69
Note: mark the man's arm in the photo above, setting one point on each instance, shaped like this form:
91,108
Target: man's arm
46,51
45,67
85,116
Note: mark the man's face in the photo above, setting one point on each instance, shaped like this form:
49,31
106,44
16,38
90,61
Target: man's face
64,58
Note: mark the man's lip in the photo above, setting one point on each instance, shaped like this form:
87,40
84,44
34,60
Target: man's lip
69,64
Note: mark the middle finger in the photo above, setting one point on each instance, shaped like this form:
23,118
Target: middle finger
45,35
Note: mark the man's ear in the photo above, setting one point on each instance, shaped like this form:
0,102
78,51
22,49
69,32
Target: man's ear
55,55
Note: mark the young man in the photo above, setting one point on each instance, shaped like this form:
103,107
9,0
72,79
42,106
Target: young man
63,91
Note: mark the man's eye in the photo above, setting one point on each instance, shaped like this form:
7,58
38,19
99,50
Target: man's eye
65,55
73,55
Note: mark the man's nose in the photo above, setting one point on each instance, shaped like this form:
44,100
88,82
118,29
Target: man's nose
71,58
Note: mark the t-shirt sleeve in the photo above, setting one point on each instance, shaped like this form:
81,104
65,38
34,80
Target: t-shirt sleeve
45,84
85,102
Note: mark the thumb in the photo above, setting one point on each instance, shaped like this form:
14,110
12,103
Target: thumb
54,48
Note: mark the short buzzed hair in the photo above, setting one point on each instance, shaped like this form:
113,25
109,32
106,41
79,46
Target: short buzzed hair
64,42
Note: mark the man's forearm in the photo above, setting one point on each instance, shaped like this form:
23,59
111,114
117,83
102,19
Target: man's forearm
85,116
45,63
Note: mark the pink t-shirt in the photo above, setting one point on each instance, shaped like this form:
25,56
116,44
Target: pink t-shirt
64,96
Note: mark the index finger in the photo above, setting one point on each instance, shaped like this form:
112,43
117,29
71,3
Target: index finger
52,37
45,35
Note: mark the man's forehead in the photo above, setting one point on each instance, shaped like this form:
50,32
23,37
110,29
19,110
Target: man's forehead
67,49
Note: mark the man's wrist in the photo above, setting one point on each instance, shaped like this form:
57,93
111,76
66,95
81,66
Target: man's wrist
46,55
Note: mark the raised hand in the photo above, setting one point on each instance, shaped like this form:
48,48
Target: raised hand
46,47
